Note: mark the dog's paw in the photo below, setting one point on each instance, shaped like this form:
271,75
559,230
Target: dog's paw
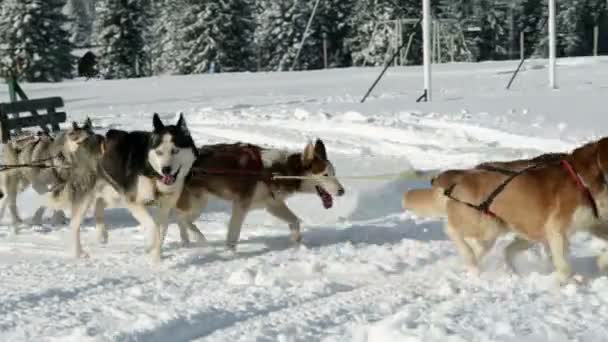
102,235
473,270
79,253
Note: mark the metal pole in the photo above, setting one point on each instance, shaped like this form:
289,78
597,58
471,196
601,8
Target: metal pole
522,45
439,42
426,47
596,36
312,15
324,50
552,45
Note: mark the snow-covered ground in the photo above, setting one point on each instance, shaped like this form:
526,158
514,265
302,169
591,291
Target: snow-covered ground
368,271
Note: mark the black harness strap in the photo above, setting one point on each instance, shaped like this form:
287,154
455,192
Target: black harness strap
497,169
484,206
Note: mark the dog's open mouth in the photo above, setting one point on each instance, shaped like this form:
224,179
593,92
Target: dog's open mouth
170,179
326,198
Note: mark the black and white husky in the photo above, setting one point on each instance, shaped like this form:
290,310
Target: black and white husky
132,170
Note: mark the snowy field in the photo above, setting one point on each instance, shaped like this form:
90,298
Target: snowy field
368,271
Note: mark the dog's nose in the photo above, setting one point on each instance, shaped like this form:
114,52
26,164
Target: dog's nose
166,170
341,192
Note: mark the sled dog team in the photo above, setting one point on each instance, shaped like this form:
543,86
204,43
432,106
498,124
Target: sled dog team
163,168
542,200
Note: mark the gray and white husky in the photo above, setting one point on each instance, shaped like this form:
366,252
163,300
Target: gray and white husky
242,174
42,149
131,170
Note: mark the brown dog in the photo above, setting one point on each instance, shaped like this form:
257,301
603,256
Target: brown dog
544,204
431,202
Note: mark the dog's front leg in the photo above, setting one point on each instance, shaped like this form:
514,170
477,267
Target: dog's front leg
185,223
11,196
162,219
100,223
281,211
239,212
142,215
558,243
79,209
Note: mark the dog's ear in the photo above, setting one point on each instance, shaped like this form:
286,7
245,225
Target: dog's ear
320,149
181,124
158,124
75,125
88,124
309,154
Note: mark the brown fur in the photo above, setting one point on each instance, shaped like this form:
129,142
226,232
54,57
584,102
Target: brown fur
540,205
245,169
431,202
238,173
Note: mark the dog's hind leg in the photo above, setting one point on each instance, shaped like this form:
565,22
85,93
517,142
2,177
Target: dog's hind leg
100,223
3,194
79,209
37,218
239,212
601,232
465,251
281,211
59,218
516,246
480,247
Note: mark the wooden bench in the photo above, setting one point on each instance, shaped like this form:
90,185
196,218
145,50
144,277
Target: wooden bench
10,119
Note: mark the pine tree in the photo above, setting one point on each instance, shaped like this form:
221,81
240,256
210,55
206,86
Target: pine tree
458,16
122,31
82,17
280,28
493,41
333,20
167,36
217,34
32,34
370,42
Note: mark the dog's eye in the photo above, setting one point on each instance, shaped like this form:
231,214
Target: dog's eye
174,151
159,152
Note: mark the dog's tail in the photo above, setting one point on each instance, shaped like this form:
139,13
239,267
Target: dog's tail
432,202
429,202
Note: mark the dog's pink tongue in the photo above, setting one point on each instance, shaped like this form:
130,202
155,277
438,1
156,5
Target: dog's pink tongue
168,179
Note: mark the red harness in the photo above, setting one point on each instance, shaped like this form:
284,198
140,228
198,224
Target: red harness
580,184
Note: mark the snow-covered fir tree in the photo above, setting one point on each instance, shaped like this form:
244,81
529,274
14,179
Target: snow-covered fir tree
492,42
334,20
217,35
280,28
167,36
122,32
82,16
372,36
32,35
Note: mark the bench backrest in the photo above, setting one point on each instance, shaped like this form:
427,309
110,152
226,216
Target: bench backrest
52,118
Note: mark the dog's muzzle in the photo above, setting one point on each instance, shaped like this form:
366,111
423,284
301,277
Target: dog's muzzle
169,179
